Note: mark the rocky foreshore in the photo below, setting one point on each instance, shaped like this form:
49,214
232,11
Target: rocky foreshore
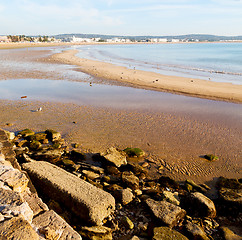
108,195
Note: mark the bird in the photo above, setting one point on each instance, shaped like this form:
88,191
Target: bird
39,109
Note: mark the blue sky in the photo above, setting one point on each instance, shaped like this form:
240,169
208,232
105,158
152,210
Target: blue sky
121,17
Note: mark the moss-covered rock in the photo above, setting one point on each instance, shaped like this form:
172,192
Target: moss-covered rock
26,132
52,135
211,157
35,145
134,152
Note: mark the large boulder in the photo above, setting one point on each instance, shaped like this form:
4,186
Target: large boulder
166,233
168,213
85,200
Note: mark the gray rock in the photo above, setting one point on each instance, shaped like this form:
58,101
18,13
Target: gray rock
202,205
97,233
130,180
112,155
85,200
18,229
166,233
51,224
195,232
168,213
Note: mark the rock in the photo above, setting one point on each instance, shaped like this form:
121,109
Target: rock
26,132
127,222
130,180
34,202
10,135
96,233
165,233
52,225
12,204
77,155
195,186
202,205
35,145
229,235
167,213
91,175
171,197
17,228
85,200
52,135
124,196
211,157
14,179
50,155
112,170
134,152
167,182
41,137
230,191
137,169
195,232
113,156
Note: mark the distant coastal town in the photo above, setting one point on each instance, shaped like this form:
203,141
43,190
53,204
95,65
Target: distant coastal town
114,39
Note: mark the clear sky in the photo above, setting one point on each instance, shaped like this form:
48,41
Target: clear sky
121,17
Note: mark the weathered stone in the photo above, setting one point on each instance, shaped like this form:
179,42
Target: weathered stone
85,200
15,179
52,135
195,232
5,163
130,180
96,233
196,186
166,233
18,229
35,145
171,197
10,135
50,155
124,196
34,202
51,224
167,213
12,203
113,170
26,132
77,155
41,137
230,235
113,156
91,175
202,205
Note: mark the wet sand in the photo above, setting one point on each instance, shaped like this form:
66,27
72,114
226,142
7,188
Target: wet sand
177,135
151,80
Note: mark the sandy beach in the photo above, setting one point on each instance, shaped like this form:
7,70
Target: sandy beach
176,136
151,80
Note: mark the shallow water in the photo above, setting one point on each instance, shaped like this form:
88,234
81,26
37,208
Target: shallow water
219,62
118,97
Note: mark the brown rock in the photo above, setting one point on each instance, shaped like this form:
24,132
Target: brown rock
52,225
165,233
113,156
18,229
96,233
167,213
130,180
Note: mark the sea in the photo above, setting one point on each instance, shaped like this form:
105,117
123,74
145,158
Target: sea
220,62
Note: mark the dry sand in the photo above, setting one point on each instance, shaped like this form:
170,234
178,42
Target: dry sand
151,80
178,139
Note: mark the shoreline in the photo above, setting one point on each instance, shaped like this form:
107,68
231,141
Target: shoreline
151,80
